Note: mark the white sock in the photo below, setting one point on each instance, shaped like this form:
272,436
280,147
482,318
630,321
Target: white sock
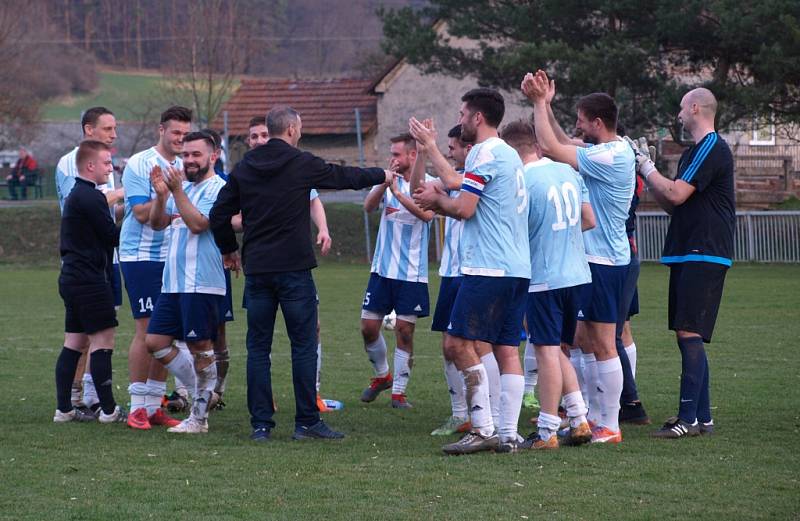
548,425
576,408
631,350
531,368
513,386
206,381
377,356
576,359
477,383
402,370
180,388
138,391
155,391
89,392
609,375
493,373
182,366
455,387
591,396
319,363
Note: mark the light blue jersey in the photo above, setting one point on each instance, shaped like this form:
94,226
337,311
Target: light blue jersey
609,171
450,265
494,241
558,256
313,194
194,263
139,242
66,173
401,249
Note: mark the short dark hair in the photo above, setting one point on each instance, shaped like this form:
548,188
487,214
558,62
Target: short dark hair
456,133
177,113
197,136
256,121
488,102
215,136
405,138
88,149
91,116
280,118
520,134
599,105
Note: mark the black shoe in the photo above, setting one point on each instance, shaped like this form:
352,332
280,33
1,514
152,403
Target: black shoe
260,434
633,413
318,431
706,428
676,428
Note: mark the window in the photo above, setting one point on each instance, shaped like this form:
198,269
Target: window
762,131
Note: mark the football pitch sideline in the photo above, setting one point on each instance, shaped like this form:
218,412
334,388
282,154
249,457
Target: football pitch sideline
389,467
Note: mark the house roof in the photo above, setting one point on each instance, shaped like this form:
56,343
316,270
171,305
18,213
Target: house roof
325,106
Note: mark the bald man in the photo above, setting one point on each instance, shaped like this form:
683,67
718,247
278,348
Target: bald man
698,250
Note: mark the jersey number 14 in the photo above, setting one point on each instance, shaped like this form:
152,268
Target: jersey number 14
566,203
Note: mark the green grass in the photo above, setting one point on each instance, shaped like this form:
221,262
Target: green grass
389,467
132,95
124,92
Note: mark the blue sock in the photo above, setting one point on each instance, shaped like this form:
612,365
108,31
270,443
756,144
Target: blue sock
693,367
66,365
704,402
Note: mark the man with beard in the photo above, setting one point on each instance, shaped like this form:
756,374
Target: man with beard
607,167
495,268
194,282
399,275
142,254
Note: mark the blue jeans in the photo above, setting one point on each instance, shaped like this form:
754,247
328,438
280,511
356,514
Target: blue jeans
296,294
630,393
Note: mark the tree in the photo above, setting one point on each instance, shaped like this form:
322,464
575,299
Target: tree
645,53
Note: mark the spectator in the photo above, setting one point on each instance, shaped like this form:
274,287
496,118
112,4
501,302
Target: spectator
22,175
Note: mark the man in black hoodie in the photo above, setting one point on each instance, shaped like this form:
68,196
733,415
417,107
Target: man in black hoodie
271,186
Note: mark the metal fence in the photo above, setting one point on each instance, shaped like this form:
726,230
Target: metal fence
760,236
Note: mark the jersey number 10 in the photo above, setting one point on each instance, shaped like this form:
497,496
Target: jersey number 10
566,202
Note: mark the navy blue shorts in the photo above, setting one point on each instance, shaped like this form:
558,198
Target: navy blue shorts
448,289
634,309
186,316
695,294
405,298
600,299
489,309
553,315
116,284
226,304
143,284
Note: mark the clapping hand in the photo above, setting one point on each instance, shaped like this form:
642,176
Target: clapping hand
537,87
157,181
423,132
427,196
174,179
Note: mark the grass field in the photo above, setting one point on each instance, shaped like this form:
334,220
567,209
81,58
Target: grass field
126,91
389,467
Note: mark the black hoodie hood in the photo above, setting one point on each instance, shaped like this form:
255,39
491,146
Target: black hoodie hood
272,157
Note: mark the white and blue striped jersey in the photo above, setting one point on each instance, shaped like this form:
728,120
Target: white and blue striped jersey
558,256
494,241
137,241
66,173
194,263
609,171
401,249
450,265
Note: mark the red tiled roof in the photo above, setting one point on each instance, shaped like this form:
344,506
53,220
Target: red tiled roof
325,106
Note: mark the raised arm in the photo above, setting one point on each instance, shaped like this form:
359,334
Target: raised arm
433,197
137,191
536,87
426,137
668,193
191,215
225,208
